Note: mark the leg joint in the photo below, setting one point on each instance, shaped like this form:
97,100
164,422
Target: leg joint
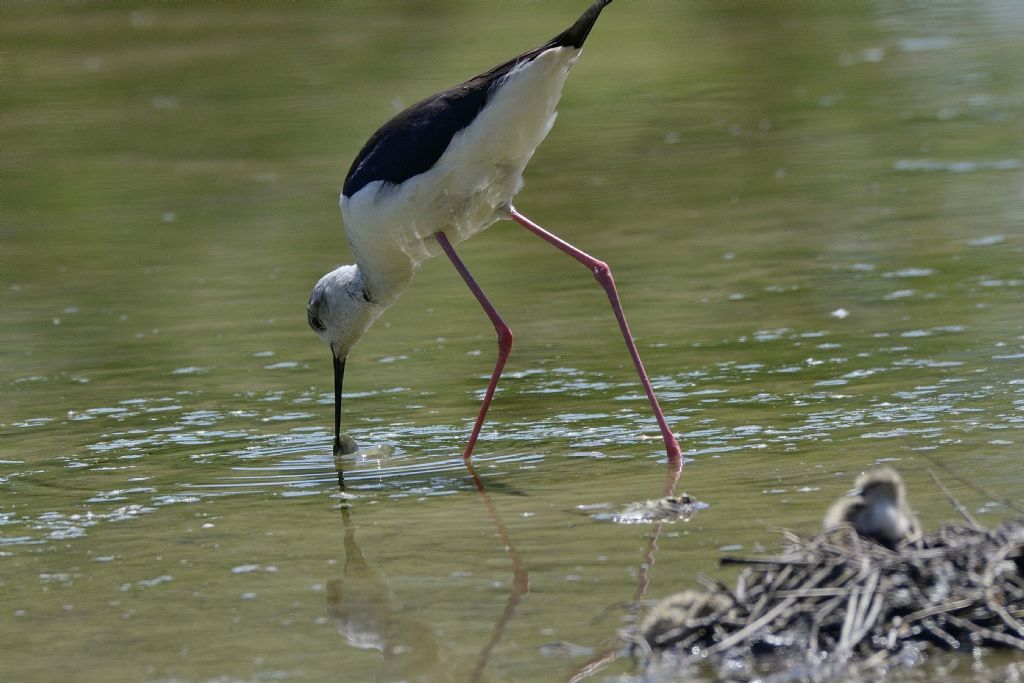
505,336
601,270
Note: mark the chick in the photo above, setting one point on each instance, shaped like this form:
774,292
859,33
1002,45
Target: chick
877,509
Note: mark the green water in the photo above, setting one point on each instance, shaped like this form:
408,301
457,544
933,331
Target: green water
169,506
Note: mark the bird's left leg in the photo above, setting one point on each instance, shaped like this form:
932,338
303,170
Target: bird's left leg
503,331
603,274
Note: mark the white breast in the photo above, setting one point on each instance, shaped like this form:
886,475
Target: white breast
478,174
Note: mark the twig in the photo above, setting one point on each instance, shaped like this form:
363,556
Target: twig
954,502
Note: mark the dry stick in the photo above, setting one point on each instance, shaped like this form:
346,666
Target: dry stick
864,601
744,632
989,577
995,636
752,627
592,666
868,606
759,605
819,618
954,502
741,588
852,621
845,633
869,618
938,609
770,561
941,634
814,592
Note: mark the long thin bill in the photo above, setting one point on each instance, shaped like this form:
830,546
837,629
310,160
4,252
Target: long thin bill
339,375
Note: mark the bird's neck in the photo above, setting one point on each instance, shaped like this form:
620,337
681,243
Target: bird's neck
385,278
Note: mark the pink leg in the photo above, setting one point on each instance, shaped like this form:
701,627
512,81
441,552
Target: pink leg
603,274
504,338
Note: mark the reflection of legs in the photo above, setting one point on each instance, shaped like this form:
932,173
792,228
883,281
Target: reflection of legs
610,654
520,578
504,337
603,274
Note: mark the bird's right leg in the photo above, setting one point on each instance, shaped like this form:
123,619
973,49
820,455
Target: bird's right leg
503,331
603,274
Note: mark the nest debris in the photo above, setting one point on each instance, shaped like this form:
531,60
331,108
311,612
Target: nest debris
840,603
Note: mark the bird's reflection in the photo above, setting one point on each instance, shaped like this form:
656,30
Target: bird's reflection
369,616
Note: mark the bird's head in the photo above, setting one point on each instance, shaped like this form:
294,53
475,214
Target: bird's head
882,486
340,310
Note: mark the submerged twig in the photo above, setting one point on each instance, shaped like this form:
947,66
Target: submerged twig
953,501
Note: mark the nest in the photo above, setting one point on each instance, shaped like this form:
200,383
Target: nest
840,603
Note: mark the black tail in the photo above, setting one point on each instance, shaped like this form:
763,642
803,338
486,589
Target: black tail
575,35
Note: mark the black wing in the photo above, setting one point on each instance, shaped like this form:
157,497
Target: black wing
415,139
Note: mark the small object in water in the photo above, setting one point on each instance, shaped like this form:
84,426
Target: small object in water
877,509
668,509
351,451
345,445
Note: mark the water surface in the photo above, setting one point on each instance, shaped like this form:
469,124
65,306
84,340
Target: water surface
815,215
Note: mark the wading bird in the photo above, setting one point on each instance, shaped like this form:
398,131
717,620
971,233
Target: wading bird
438,173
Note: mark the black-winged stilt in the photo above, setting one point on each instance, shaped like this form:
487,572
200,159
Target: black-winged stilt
438,173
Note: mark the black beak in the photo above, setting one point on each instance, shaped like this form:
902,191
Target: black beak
339,376
343,443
